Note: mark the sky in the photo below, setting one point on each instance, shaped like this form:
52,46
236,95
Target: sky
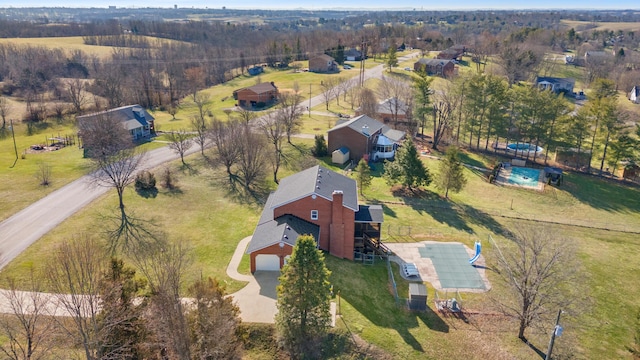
328,4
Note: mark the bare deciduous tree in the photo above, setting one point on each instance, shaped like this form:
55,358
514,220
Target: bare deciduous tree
289,112
201,127
77,94
5,109
536,267
28,331
226,138
246,115
397,94
163,266
444,105
74,276
368,104
273,126
251,157
44,173
329,90
180,141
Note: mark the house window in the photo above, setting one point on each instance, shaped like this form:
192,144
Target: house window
314,214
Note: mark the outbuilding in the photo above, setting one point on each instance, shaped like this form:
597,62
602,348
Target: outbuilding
417,297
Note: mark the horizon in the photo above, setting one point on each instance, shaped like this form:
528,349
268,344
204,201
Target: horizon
353,5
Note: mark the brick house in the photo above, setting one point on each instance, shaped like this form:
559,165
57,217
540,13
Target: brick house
444,68
317,202
323,64
363,135
259,95
134,118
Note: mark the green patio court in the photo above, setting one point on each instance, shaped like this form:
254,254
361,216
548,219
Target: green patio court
451,263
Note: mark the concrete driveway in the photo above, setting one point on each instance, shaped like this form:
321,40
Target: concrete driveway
257,300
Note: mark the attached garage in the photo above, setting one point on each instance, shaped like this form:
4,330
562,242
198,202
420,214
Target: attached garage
267,262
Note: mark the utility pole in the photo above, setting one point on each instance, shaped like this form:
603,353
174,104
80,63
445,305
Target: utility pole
557,331
15,147
363,56
309,107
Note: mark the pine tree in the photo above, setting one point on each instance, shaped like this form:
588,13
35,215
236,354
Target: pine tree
408,169
363,175
392,57
451,175
303,300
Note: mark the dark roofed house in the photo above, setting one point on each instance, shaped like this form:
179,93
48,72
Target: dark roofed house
259,95
363,135
441,67
352,55
134,118
557,85
317,202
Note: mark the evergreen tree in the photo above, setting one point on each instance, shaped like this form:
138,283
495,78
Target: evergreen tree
451,176
363,175
392,57
121,328
422,98
320,147
303,300
408,169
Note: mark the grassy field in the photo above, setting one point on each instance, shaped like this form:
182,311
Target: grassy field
613,26
210,218
70,44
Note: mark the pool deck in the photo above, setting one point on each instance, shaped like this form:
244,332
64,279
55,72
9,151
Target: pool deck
414,253
505,174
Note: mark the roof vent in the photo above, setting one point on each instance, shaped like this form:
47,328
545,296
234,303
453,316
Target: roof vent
288,228
318,187
286,237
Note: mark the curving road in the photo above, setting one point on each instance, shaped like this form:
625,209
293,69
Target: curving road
28,225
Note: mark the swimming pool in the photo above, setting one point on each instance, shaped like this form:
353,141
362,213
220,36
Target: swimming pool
524,176
524,147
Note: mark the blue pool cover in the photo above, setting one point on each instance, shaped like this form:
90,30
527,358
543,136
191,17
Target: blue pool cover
451,262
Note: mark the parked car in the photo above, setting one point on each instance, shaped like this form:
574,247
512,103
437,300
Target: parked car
580,96
346,67
407,69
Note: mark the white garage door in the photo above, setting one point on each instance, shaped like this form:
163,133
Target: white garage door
265,262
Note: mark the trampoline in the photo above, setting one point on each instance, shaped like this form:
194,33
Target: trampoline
451,263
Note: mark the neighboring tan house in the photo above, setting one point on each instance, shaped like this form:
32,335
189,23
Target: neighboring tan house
134,118
323,64
557,85
363,135
634,95
444,68
259,95
317,202
596,57
352,55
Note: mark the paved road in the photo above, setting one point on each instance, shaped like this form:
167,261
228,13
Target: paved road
30,224
27,226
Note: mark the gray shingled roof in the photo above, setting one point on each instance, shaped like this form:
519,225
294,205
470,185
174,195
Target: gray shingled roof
262,88
361,122
133,116
358,123
286,229
388,106
433,62
554,80
370,214
317,181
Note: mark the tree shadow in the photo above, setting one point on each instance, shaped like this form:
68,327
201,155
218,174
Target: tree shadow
481,218
148,193
126,232
597,192
366,289
534,348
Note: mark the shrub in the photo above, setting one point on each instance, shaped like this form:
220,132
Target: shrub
168,181
320,147
145,180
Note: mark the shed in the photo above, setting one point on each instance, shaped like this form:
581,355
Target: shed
417,297
340,155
